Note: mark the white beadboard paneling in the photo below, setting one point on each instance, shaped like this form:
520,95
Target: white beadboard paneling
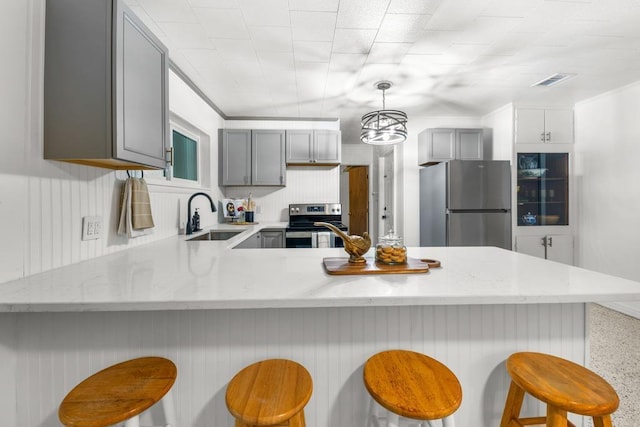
55,351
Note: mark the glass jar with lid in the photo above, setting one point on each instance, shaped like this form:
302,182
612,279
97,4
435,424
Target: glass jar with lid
390,250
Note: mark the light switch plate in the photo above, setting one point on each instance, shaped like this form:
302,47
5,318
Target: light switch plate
91,227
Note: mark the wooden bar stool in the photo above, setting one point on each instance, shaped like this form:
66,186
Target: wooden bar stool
269,393
411,385
563,385
120,393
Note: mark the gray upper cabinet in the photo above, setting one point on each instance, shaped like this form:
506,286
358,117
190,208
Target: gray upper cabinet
252,157
105,88
313,147
235,158
443,144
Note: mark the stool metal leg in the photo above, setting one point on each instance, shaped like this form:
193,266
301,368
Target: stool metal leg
393,420
132,422
169,410
372,417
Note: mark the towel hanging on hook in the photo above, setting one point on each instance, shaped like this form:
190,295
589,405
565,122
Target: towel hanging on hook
135,209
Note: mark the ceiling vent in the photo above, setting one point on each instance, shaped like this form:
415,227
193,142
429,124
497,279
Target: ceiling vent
554,79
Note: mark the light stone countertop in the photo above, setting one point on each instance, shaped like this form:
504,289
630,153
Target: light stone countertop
173,274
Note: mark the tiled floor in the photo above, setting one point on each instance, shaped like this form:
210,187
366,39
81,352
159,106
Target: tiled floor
615,355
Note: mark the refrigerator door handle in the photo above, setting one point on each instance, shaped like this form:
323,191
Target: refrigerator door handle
451,211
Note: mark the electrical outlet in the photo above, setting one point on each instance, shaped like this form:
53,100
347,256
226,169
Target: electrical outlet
91,227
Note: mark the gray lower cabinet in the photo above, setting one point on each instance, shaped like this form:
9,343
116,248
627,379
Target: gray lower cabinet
443,144
105,87
252,157
252,242
267,238
272,238
313,147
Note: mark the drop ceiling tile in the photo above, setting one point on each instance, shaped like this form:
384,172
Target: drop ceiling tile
271,39
312,51
270,13
388,53
401,28
347,61
185,35
218,4
369,75
420,7
202,58
237,51
426,65
455,15
339,84
353,40
486,30
313,26
168,10
510,8
361,13
433,42
223,23
276,61
315,5
512,43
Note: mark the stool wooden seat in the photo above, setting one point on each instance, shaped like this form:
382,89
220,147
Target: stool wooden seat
563,385
269,393
118,393
412,385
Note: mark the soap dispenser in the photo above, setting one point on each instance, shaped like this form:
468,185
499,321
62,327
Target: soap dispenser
196,221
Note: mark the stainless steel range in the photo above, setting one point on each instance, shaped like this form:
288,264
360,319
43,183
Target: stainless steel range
301,233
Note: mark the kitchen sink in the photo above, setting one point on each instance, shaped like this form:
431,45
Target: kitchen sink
216,235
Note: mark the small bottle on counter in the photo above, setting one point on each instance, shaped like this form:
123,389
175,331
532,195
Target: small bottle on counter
390,250
196,221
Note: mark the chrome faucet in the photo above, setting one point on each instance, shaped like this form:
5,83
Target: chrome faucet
190,226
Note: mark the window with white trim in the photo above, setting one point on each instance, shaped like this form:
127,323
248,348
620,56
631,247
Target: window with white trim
187,168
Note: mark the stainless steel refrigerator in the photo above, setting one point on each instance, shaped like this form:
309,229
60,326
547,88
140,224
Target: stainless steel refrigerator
466,203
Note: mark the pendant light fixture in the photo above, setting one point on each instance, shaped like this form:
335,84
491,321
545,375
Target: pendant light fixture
384,127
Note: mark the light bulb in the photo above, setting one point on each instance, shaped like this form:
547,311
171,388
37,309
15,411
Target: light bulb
385,136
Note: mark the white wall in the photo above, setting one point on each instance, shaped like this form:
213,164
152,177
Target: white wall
607,154
500,124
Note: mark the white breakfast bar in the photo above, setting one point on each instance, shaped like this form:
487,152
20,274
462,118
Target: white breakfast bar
213,310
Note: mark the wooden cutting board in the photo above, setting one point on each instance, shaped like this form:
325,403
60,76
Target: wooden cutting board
341,266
